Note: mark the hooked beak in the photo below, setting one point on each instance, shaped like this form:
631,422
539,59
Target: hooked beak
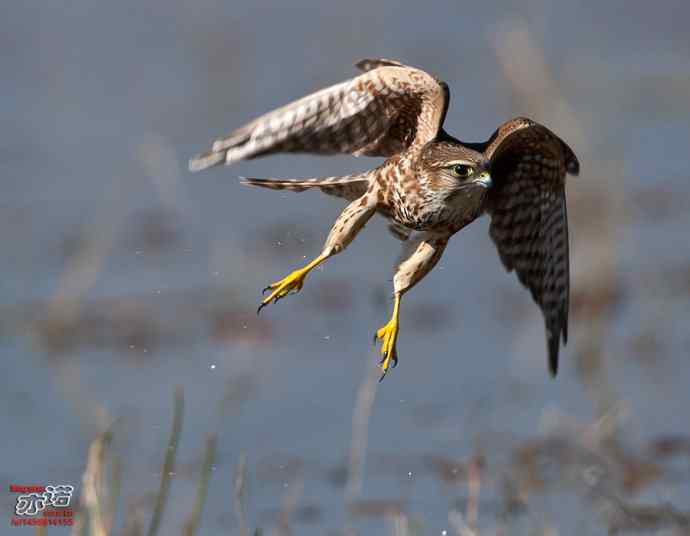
484,179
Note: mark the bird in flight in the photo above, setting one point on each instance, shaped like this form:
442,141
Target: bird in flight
430,183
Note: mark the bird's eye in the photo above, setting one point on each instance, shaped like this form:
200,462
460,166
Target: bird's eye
462,170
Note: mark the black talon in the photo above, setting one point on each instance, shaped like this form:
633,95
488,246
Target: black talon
261,306
266,290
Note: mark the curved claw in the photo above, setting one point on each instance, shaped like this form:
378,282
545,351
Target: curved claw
385,369
389,355
288,285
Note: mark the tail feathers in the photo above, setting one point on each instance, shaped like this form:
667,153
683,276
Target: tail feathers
348,186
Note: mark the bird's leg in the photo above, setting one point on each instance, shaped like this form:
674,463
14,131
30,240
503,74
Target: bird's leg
408,274
344,230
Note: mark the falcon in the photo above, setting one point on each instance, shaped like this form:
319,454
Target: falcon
430,183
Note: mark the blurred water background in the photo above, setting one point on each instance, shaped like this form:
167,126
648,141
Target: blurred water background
125,277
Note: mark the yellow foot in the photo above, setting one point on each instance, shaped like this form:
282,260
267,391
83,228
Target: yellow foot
389,354
288,285
389,335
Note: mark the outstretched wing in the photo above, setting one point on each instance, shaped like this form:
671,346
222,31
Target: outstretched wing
379,113
529,222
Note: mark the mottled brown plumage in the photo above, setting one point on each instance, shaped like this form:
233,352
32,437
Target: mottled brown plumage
430,182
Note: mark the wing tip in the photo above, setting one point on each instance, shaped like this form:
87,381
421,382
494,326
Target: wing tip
205,161
553,357
554,335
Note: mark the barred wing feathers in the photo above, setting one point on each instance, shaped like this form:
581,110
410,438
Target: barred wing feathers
382,112
529,222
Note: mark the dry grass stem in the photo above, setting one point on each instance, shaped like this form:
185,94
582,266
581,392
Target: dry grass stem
169,463
192,524
360,432
93,503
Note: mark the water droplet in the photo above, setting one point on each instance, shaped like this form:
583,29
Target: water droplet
592,475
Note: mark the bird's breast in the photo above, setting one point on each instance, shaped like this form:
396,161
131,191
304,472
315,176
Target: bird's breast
431,211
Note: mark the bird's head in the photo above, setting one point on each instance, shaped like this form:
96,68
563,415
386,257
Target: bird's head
450,168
